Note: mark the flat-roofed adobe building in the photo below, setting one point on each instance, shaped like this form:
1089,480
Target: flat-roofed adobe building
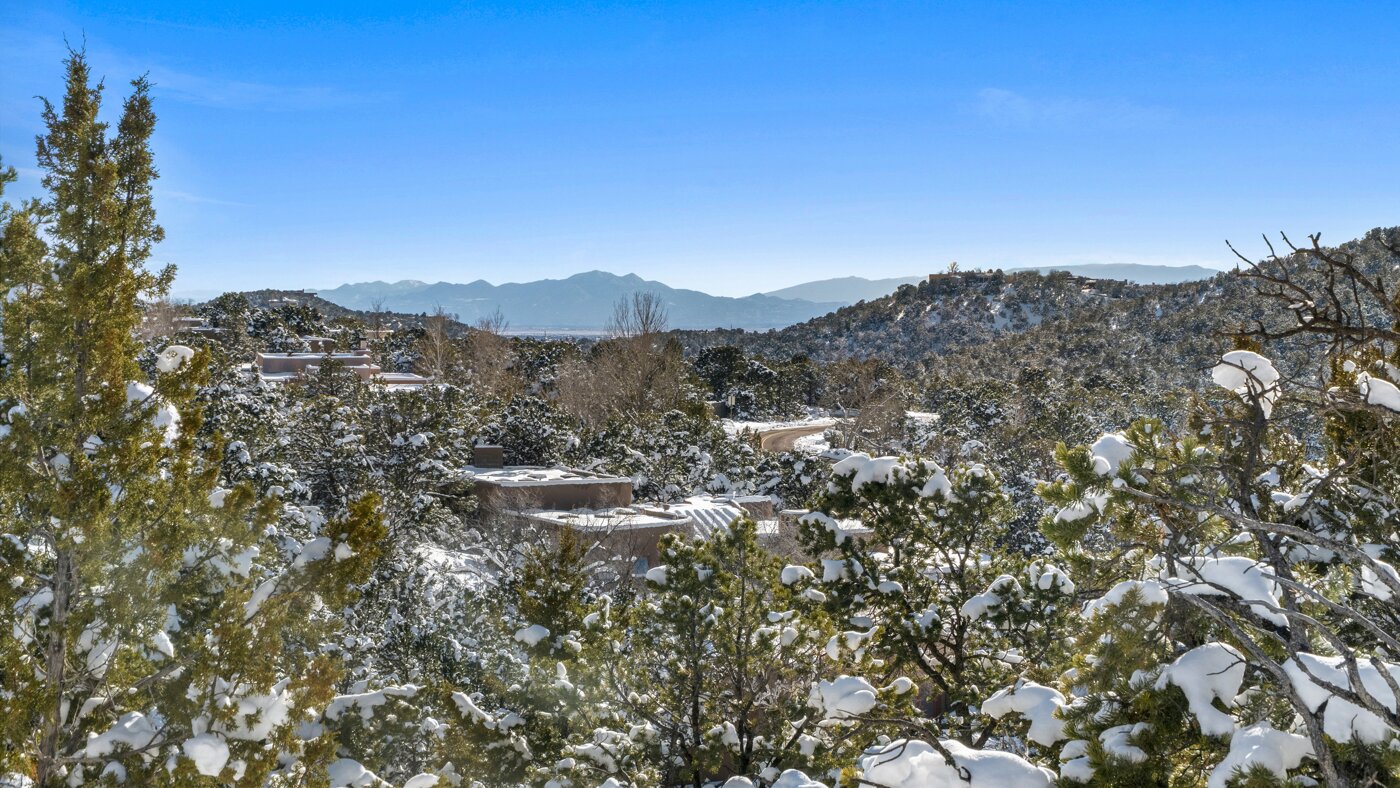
287,367
599,507
280,367
519,487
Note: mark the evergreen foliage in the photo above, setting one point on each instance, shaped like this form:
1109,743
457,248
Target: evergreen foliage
157,633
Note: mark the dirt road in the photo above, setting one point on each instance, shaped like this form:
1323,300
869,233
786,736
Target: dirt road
783,438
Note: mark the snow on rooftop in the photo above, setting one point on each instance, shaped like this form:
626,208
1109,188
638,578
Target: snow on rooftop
538,476
708,514
619,518
351,355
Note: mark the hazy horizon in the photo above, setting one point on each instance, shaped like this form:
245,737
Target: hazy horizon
180,293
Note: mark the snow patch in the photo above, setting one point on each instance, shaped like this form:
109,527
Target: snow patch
1036,703
1250,375
843,698
1206,673
916,764
1259,745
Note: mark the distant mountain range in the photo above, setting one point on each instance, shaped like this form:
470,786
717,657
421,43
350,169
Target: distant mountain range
581,302
584,302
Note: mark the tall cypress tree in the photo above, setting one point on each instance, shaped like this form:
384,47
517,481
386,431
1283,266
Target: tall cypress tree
151,633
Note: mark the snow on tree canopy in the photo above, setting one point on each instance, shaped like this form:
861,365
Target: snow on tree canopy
937,483
166,418
1118,742
348,773
862,469
133,730
1260,746
313,550
981,604
257,714
845,697
1377,579
1343,720
1049,577
366,702
217,496
794,573
1378,392
1074,762
1206,673
1250,375
1149,592
792,778
209,753
173,357
836,569
1237,576
829,523
1036,703
532,634
1077,511
916,764
1109,452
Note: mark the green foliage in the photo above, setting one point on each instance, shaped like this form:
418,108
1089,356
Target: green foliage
140,588
931,588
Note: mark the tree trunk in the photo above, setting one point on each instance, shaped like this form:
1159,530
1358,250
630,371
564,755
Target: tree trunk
55,660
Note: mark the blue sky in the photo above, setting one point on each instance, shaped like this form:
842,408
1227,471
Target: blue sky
730,147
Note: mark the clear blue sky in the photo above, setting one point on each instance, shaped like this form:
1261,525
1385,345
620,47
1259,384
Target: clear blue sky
728,147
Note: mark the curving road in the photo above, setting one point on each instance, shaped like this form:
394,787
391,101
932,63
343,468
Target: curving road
783,438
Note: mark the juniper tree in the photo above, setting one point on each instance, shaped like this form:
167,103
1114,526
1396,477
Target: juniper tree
534,688
722,668
1247,558
914,561
150,633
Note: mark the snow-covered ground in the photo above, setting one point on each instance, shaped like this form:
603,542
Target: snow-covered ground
733,427
812,444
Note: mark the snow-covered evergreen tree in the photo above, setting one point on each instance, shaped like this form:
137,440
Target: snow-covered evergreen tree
920,577
153,634
1246,560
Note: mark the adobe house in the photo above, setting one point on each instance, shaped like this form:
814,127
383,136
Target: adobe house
273,366
629,534
285,367
522,487
401,381
599,507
